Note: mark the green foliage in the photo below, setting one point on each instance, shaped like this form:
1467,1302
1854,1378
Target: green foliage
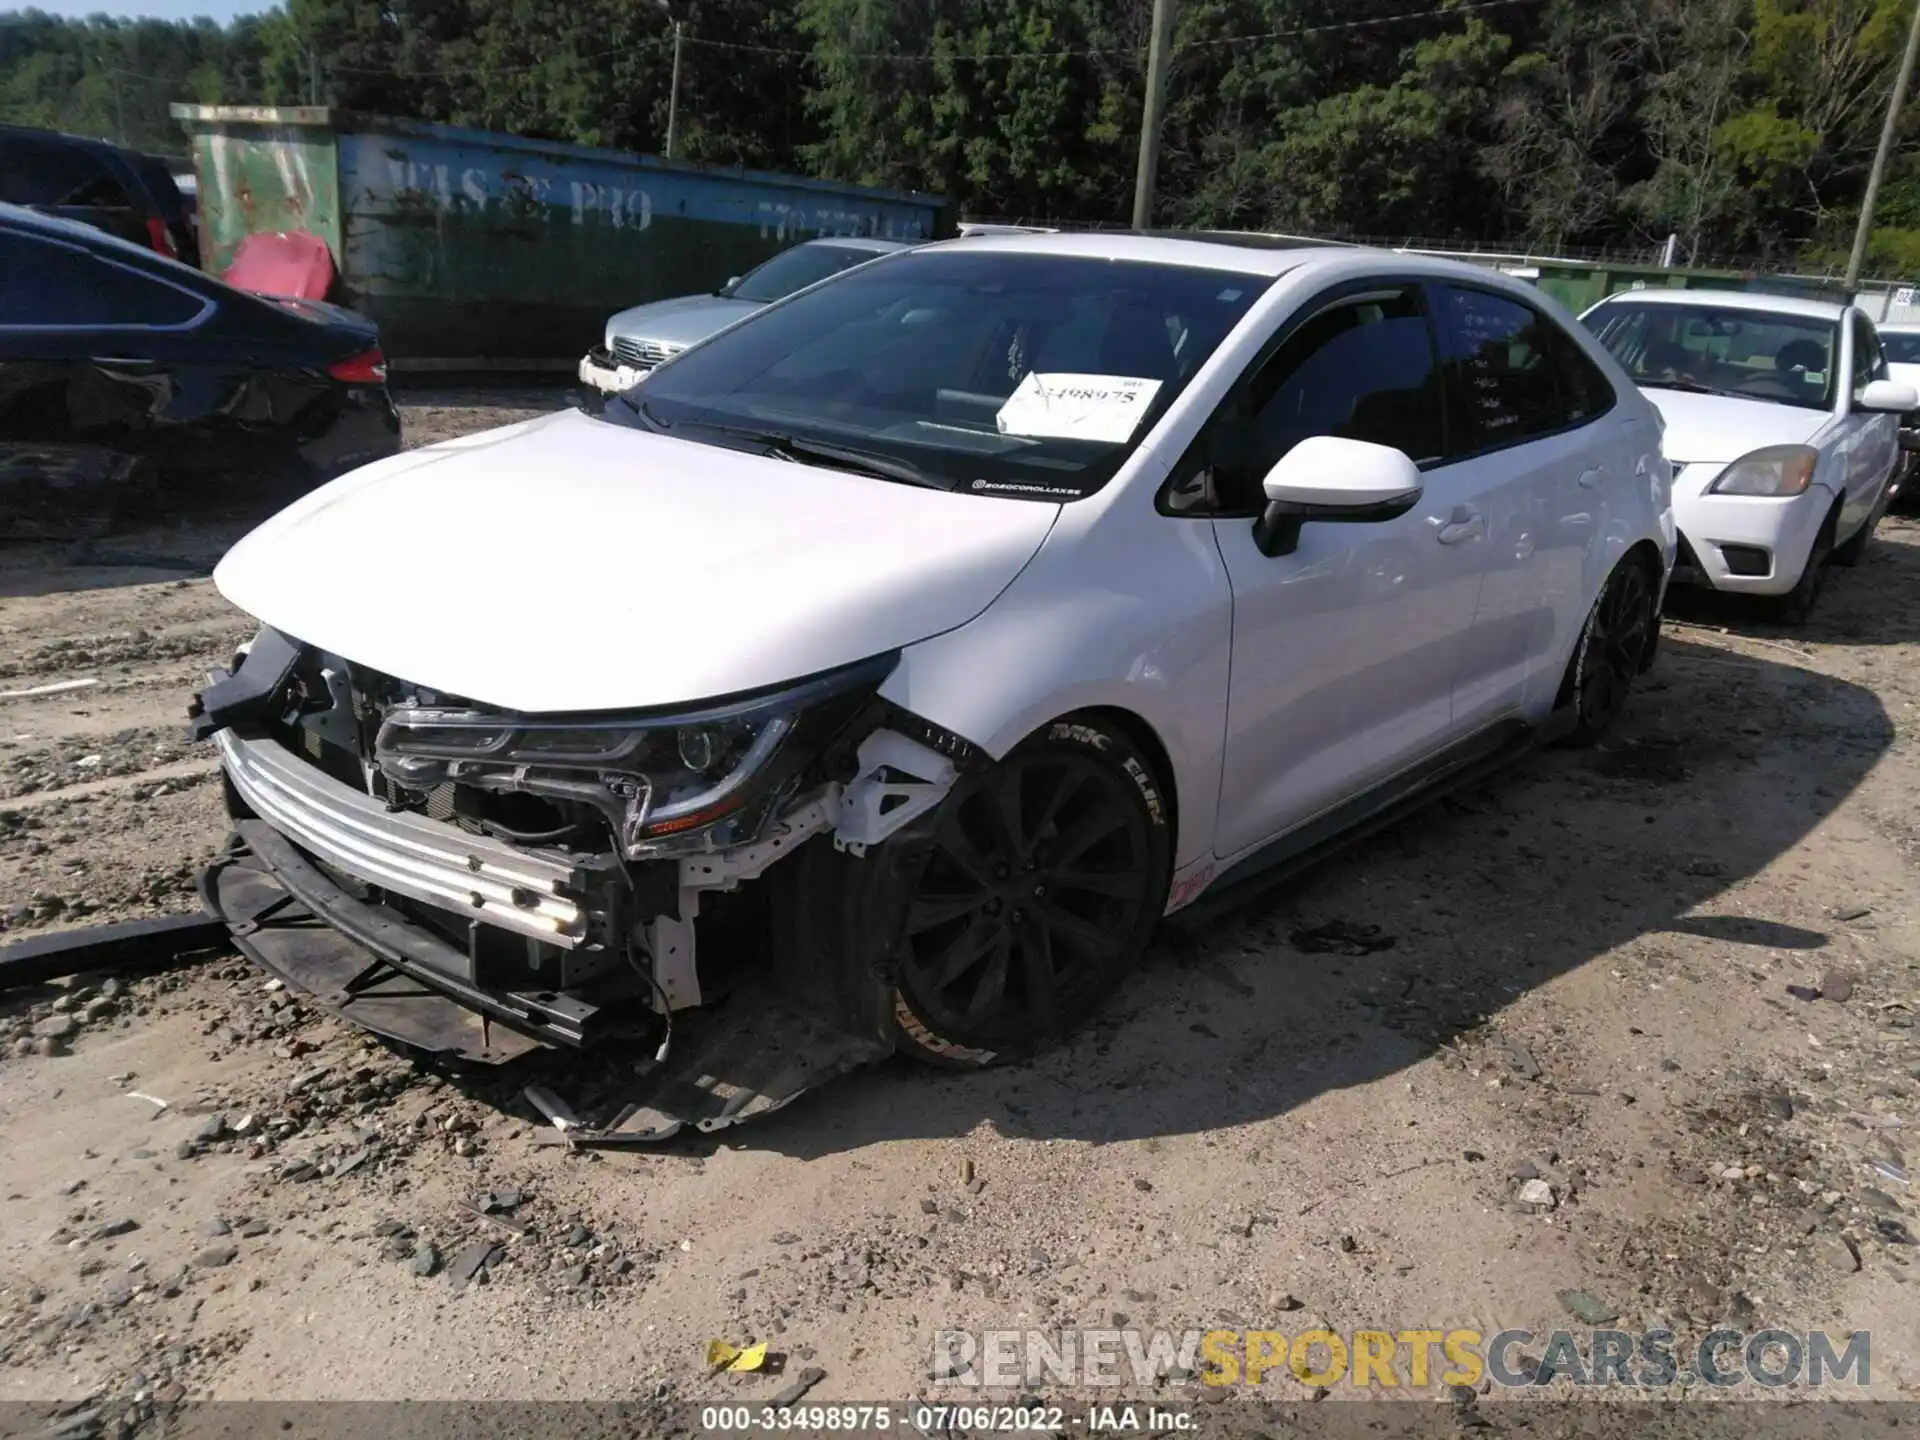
1742,126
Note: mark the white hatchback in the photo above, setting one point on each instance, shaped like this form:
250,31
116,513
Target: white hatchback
978,607
1782,425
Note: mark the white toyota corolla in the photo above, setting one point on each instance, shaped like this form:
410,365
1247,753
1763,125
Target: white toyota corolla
1782,426
969,610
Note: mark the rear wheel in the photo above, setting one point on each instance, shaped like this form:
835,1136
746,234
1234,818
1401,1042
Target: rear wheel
1796,606
1035,892
1614,648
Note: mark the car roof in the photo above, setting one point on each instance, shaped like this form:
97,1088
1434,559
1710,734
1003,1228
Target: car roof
1208,254
864,242
1903,327
1753,300
82,142
1241,253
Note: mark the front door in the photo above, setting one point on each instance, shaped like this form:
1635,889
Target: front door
1869,443
1344,652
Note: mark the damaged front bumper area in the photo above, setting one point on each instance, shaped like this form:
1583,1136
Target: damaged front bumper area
479,883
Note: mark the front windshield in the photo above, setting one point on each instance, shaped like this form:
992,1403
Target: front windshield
1901,349
796,269
1746,353
998,372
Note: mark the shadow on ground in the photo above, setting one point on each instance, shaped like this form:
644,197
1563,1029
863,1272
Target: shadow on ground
1723,764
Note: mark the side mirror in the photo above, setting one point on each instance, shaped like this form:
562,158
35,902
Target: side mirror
1886,397
1328,478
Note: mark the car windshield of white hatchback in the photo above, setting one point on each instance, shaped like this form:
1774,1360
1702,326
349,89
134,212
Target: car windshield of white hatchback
1900,348
1018,375
796,269
1749,354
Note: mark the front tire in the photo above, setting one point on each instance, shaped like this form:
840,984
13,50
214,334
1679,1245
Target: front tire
1030,896
1855,550
1615,645
1796,606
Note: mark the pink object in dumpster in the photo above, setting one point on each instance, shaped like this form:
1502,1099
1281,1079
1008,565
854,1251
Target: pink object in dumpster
292,264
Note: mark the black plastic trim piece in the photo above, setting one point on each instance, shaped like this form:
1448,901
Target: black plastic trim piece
1388,803
1277,531
415,952
243,696
131,945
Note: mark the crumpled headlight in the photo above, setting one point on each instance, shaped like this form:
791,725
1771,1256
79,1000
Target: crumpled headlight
668,783
1774,470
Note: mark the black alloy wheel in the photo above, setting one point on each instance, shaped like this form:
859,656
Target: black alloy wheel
1612,651
1039,887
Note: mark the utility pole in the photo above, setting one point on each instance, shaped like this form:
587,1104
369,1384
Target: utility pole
1158,58
673,91
1861,236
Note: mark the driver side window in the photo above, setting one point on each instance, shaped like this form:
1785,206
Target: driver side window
1868,362
1362,367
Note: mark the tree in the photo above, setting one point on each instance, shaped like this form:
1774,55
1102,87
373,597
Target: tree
1561,116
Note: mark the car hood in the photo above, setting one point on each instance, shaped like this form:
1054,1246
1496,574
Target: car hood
679,322
1719,429
568,563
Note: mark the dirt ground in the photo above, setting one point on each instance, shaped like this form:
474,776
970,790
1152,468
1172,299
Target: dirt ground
1585,1079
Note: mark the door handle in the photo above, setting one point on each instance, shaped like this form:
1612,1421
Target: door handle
1590,476
1465,525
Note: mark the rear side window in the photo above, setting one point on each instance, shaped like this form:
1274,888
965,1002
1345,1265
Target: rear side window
1506,361
1901,349
1585,392
44,285
46,172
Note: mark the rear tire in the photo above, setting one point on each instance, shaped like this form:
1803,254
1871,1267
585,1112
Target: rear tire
1796,606
1030,894
1614,647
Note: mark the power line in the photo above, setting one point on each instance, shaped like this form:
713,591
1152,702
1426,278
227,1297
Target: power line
1375,23
652,42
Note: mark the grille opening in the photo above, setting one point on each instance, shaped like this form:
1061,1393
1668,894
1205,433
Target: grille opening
640,354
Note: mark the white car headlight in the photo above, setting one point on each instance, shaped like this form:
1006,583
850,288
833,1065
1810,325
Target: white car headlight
1775,470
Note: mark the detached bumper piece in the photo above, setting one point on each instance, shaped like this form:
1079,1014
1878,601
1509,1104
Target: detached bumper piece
749,1057
745,1059
363,962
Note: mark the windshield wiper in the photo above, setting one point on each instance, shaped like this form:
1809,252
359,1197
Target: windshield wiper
814,452
1692,387
639,408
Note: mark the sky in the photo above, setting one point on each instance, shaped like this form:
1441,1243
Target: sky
221,10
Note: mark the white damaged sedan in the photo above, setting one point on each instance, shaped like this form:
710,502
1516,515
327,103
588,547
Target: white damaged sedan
1782,426
915,645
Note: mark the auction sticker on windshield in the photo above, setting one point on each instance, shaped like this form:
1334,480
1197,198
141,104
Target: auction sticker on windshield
1076,407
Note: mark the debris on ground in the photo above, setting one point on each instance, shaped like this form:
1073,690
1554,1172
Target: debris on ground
723,1356
1341,937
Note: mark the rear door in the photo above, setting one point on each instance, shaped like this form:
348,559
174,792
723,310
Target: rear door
1540,461
92,350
